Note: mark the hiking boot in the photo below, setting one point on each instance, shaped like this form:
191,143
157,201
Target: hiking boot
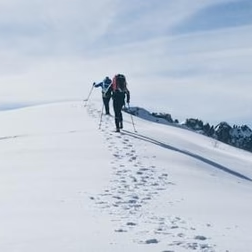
117,130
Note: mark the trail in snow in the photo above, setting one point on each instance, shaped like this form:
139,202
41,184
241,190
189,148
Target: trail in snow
136,183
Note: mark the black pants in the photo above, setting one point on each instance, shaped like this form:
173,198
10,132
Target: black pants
117,105
106,104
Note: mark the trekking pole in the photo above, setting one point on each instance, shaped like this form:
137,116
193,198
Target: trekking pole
101,116
133,124
86,100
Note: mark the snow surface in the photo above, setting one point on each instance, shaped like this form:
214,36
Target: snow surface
66,185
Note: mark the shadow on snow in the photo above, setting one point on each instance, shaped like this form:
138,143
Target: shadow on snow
205,160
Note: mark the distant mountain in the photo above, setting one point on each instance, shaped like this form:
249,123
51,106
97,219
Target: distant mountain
237,136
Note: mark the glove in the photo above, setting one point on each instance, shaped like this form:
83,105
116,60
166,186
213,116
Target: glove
94,84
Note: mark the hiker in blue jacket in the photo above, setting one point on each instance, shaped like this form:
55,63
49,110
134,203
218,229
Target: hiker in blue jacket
106,86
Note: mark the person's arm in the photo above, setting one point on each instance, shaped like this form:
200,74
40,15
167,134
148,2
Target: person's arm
97,84
128,96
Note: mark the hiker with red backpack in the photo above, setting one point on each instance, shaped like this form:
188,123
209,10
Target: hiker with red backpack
120,92
106,86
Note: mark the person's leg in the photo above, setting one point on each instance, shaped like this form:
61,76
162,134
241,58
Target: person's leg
106,105
120,118
117,114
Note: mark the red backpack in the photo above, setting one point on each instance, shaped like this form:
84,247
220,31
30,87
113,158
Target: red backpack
119,83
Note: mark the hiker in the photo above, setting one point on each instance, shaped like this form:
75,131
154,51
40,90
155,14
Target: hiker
106,86
120,92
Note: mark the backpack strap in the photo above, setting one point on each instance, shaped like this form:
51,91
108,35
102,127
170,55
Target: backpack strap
108,89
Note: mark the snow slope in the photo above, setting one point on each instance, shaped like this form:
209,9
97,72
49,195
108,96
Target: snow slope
66,185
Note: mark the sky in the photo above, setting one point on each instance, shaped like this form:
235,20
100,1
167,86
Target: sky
188,58
66,185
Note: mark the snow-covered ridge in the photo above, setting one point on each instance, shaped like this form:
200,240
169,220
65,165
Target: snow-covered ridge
66,185
237,136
